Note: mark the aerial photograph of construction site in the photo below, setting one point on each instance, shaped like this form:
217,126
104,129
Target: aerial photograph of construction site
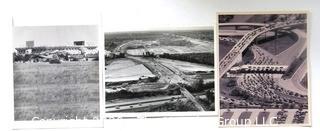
56,73
159,71
263,69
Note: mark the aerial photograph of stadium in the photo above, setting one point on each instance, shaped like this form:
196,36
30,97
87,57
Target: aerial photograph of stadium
159,71
56,73
263,69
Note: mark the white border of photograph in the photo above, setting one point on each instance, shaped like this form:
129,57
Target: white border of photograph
56,19
237,12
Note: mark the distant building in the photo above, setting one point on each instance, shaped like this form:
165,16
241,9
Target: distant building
79,43
30,44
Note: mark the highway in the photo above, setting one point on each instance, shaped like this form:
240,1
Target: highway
232,40
123,106
188,95
236,32
242,24
230,59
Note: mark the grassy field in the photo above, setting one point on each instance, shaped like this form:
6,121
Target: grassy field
56,91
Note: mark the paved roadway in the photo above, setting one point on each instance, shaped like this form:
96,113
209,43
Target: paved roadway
187,94
123,106
167,74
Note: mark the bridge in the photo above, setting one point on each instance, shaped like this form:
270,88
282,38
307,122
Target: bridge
240,29
190,97
259,68
242,24
235,53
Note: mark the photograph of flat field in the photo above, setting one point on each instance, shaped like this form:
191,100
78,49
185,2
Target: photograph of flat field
263,74
159,71
56,81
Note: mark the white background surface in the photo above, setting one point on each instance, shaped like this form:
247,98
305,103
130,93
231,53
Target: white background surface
146,15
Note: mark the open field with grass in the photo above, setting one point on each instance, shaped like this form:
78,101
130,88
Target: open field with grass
56,91
126,70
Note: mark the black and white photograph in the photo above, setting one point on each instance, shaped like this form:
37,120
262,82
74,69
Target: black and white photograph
159,71
159,65
56,73
263,69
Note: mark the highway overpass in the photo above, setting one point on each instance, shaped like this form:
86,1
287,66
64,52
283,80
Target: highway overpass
235,53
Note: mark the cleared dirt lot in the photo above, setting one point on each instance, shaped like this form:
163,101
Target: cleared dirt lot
56,91
125,70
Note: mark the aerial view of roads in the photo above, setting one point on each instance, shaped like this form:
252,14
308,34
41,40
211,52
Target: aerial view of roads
159,71
263,69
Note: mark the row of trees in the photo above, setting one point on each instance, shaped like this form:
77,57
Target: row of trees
124,94
202,58
206,34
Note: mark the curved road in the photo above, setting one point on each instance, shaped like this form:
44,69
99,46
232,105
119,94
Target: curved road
227,61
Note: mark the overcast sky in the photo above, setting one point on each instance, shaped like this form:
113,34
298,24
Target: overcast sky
55,35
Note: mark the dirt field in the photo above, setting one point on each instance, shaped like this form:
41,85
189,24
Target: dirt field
125,70
56,91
